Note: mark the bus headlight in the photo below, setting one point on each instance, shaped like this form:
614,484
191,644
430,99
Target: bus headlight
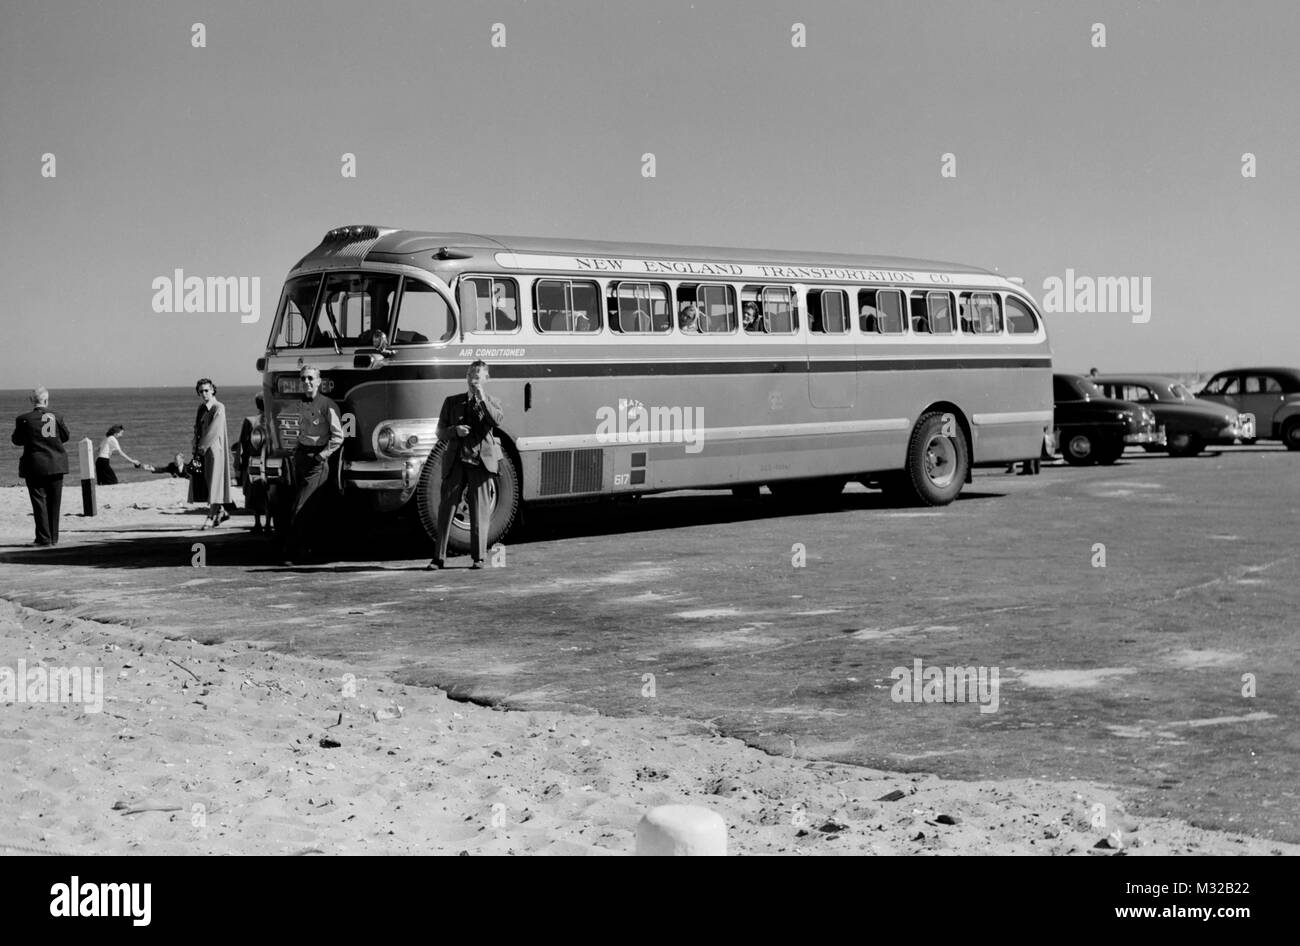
401,439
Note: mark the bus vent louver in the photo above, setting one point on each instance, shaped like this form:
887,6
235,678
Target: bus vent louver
587,470
557,472
572,471
344,246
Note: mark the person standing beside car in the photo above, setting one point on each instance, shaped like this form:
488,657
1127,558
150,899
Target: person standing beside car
42,433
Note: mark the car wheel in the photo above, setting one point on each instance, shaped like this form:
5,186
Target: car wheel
1291,433
1185,445
1108,453
1079,449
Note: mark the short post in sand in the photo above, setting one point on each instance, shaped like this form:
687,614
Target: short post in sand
681,831
86,454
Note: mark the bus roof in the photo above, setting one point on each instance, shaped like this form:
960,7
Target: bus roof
409,245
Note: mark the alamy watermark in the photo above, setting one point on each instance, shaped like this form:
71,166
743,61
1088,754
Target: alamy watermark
1126,295
211,294
633,422
83,685
946,685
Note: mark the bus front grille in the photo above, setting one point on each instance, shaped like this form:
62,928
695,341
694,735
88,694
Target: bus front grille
572,471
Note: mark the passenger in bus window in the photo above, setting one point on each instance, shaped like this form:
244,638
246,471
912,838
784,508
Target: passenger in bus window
690,318
753,318
868,319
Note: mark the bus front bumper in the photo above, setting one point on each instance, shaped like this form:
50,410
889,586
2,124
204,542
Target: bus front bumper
382,474
358,474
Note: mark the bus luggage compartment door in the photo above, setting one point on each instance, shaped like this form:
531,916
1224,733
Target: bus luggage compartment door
832,375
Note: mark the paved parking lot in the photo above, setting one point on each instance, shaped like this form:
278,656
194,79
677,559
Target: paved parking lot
691,605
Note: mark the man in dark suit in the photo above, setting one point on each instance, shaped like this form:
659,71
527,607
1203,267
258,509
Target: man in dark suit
41,433
469,461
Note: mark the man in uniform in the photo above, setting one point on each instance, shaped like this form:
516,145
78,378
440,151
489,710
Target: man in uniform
41,433
469,461
320,436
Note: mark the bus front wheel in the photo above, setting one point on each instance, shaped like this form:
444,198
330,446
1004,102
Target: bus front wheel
937,460
503,501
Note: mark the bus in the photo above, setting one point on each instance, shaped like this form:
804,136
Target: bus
635,368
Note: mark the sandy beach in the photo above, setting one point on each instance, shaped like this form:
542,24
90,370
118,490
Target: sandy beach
233,748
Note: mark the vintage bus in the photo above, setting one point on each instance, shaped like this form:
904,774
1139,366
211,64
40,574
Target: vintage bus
629,368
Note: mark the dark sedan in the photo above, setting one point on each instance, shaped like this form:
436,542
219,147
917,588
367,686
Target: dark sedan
1190,424
1268,396
1092,428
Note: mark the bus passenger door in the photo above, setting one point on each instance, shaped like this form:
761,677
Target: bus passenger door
832,375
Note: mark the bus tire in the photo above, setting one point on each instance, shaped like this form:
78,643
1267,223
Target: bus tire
505,503
936,465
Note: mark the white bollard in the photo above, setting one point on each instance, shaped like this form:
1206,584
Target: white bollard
681,831
86,453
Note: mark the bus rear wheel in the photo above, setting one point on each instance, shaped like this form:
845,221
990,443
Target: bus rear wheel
504,495
937,461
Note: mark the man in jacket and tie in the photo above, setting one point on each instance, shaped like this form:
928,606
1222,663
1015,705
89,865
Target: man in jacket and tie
41,433
469,461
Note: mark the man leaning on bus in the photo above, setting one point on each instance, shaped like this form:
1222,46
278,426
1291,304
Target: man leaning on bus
469,461
320,436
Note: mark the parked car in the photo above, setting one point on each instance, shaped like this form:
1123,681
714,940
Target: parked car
1269,396
1190,424
1092,428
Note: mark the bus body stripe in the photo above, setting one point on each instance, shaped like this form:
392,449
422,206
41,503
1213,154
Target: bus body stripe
538,370
705,434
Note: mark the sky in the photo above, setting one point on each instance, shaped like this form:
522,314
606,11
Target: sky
226,160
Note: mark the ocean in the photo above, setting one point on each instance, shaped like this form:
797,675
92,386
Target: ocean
159,423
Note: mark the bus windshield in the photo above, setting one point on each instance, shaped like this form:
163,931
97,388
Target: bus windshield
343,312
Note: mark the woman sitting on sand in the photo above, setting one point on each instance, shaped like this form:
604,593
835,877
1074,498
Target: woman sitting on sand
104,474
212,448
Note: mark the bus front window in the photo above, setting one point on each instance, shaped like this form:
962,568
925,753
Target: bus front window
351,307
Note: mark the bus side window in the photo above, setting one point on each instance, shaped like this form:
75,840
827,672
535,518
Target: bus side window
494,305
981,313
565,305
717,309
424,316
827,312
1020,319
780,317
880,311
939,307
639,308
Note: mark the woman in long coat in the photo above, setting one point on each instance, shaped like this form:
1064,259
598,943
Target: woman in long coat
212,447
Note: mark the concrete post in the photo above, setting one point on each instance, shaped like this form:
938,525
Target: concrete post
86,454
681,831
